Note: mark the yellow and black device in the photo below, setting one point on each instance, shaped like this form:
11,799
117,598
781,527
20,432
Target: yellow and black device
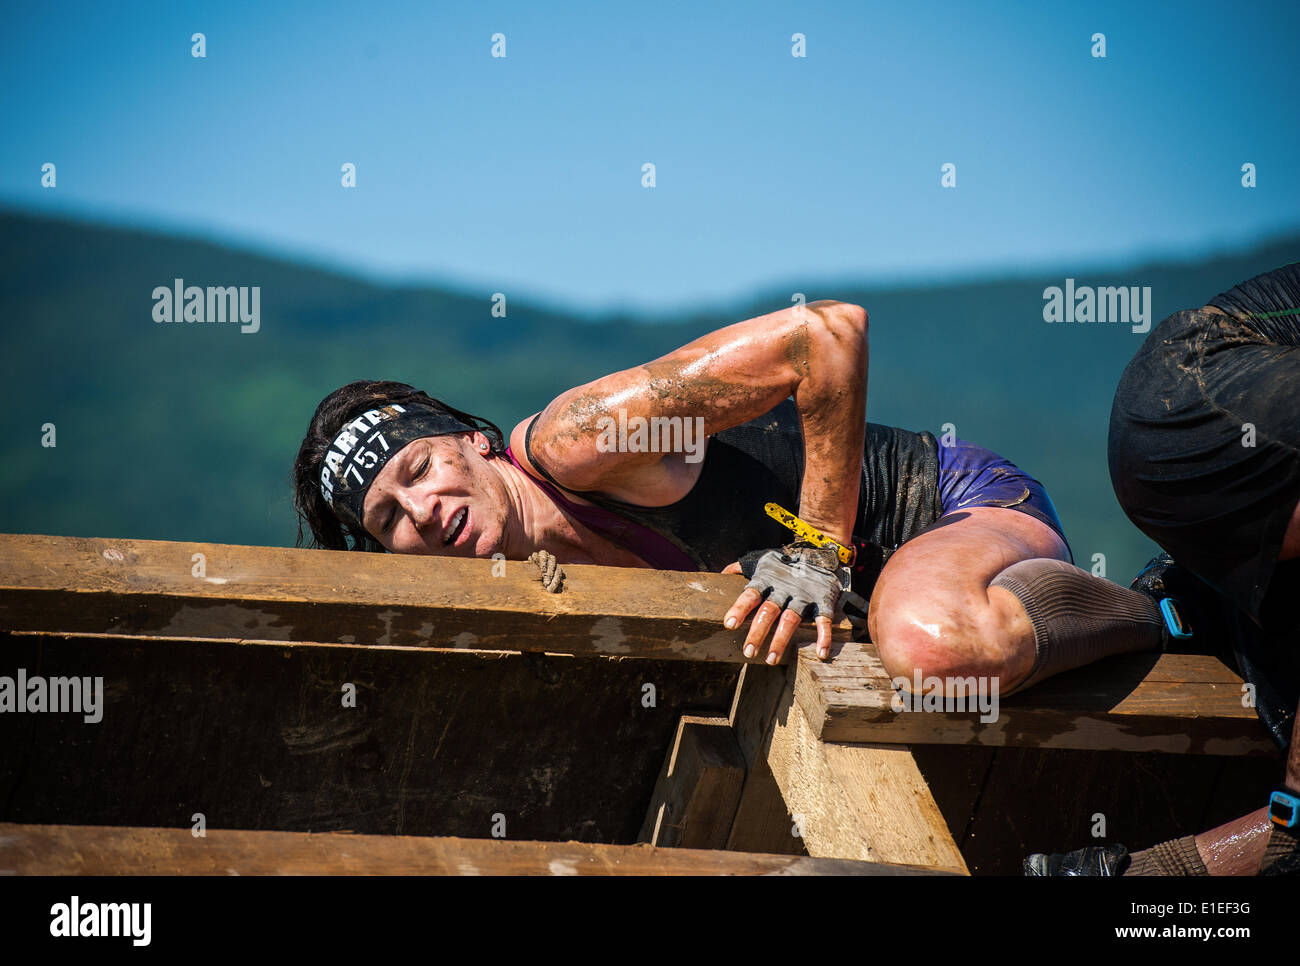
806,531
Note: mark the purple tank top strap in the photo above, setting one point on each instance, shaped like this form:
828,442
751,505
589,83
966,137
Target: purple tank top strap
651,547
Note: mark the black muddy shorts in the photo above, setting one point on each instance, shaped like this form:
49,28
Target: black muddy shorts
1205,442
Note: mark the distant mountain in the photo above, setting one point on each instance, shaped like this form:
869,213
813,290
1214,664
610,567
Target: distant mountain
188,432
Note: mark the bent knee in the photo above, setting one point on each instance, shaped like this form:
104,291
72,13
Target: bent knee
944,641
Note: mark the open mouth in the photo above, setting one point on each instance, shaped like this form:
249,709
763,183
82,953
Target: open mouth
456,527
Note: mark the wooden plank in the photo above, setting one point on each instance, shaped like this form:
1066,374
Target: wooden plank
759,691
695,798
866,802
112,850
148,587
762,822
1178,703
259,736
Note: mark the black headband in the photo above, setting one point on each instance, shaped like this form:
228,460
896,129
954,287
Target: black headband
365,444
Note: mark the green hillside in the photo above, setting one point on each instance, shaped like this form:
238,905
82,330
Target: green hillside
187,432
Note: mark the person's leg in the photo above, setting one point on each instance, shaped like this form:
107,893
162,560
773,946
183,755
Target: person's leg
1245,846
1282,849
1204,439
1238,847
1235,848
987,592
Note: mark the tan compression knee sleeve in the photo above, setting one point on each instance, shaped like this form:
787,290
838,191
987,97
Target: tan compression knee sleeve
1078,618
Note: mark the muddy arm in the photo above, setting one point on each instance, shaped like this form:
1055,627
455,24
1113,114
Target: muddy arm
817,353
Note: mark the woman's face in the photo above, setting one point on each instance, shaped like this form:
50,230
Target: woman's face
439,496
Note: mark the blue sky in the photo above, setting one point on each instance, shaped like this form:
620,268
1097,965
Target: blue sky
523,174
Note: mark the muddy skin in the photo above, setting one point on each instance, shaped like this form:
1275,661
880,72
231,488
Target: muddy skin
434,478
796,350
834,433
675,392
728,377
684,394
580,418
458,462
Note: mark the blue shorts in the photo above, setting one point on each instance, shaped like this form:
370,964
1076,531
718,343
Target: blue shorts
971,476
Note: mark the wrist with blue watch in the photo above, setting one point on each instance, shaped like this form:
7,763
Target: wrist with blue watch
1284,808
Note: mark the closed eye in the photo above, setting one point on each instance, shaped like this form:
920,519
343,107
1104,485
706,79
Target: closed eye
392,514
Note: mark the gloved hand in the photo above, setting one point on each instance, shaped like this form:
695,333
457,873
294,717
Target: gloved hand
799,581
1094,860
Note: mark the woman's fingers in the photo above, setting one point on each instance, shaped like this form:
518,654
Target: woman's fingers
733,568
785,628
763,620
747,601
770,613
823,636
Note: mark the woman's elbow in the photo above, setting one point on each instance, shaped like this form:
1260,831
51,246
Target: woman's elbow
843,320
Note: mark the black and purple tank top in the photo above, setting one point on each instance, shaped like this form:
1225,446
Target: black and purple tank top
722,518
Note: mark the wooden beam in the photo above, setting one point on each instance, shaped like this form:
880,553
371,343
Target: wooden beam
150,587
866,802
313,737
1183,703
114,850
695,798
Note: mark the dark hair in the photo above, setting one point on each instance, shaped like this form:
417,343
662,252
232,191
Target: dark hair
328,531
